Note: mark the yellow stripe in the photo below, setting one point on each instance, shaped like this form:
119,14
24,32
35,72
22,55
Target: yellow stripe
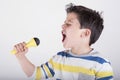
47,70
104,74
69,68
38,73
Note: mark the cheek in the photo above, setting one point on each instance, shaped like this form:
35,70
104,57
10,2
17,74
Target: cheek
75,37
73,34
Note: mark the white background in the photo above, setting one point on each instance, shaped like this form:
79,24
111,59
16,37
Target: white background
21,20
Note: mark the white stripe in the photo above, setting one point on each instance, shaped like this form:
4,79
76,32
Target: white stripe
76,62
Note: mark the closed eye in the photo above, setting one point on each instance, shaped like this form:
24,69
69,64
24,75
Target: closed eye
67,24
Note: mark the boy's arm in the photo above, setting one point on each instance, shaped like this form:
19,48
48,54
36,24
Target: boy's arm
44,71
26,65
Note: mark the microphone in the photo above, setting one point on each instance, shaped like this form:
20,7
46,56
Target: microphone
32,43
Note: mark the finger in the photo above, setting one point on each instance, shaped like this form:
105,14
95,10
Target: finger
25,49
18,47
24,44
21,47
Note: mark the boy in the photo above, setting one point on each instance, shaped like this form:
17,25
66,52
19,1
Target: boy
82,28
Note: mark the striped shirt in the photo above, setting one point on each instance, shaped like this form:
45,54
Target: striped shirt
67,66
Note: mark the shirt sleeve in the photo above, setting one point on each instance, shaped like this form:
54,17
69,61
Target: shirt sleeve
105,72
45,71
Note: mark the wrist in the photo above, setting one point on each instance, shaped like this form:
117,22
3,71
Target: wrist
20,56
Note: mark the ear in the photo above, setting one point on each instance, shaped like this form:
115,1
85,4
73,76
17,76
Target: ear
85,33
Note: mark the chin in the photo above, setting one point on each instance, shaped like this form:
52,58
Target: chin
66,47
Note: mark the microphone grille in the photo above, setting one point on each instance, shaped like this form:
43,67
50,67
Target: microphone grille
37,41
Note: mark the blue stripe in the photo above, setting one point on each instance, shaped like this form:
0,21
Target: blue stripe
63,54
106,78
51,70
44,72
92,58
97,59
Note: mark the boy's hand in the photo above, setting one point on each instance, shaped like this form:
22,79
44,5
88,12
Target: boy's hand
21,49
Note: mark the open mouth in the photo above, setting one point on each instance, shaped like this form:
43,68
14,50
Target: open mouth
64,36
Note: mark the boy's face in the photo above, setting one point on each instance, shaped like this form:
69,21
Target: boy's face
71,31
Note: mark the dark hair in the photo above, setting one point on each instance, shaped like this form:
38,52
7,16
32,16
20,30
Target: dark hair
89,19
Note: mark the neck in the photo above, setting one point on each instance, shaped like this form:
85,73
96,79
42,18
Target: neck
81,50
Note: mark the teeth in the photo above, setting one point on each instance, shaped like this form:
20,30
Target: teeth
63,32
